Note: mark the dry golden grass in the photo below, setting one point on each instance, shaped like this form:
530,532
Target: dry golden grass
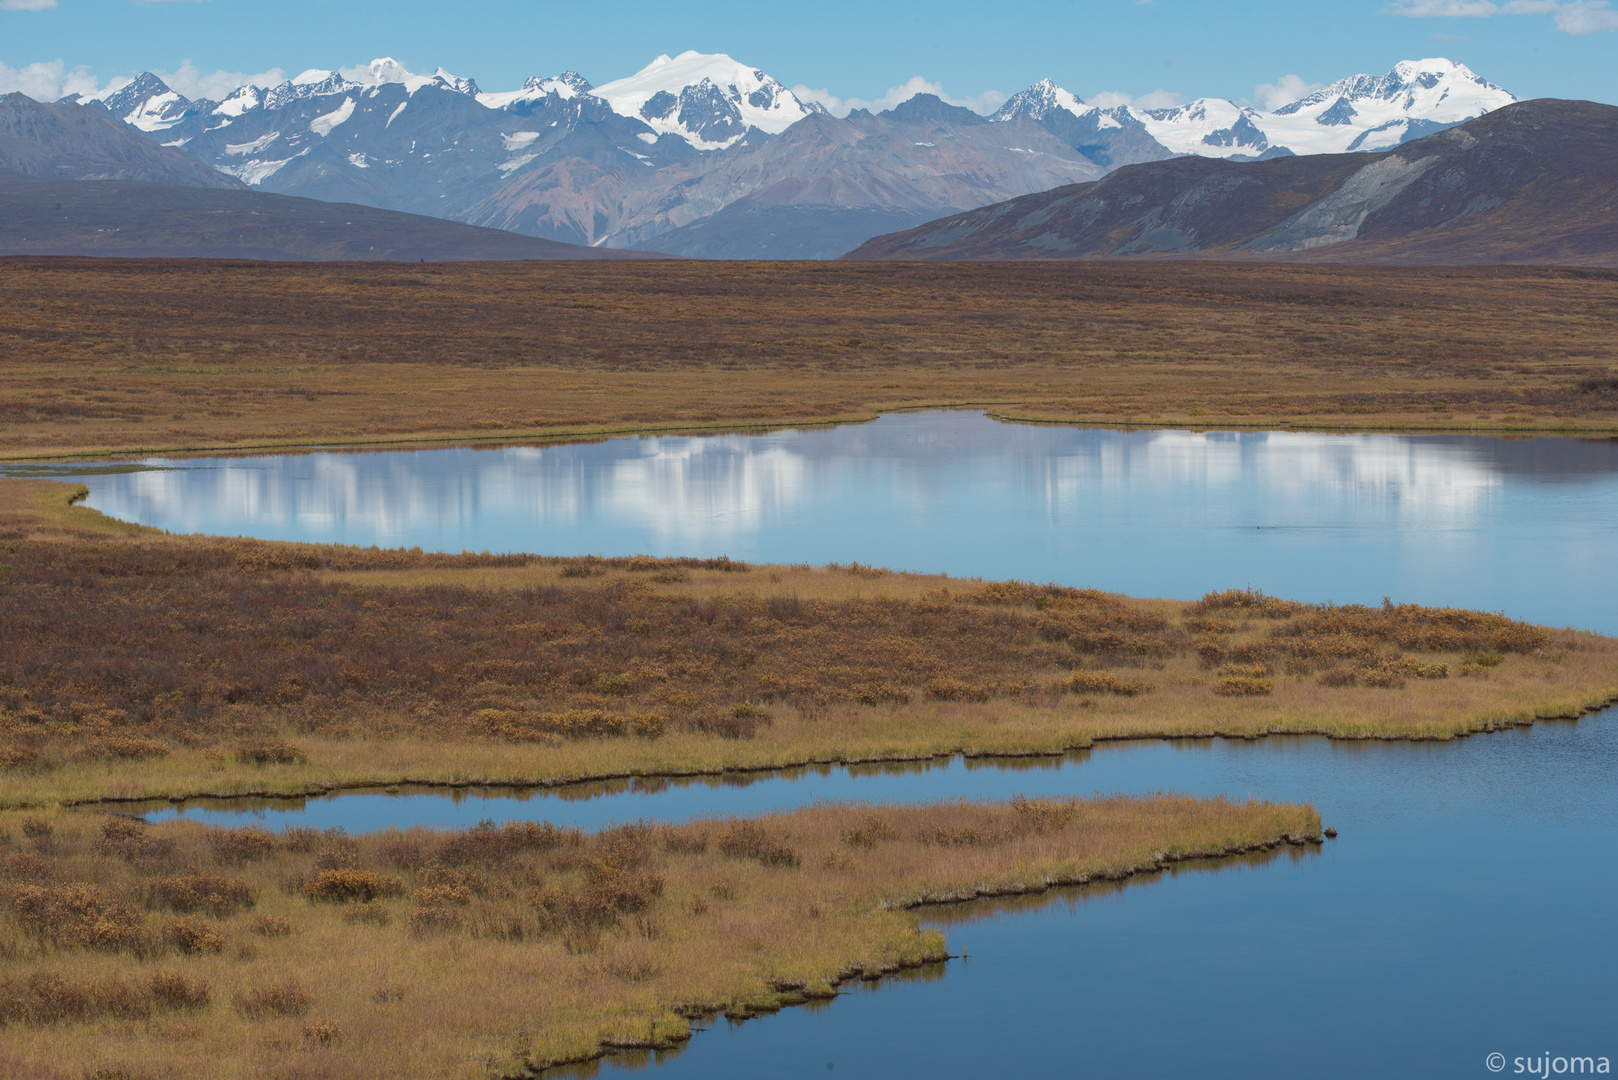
191,354
181,951
139,665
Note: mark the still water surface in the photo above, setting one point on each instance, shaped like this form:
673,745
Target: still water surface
1467,907
1526,526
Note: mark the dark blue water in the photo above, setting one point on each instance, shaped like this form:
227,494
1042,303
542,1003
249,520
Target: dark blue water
1525,526
1466,909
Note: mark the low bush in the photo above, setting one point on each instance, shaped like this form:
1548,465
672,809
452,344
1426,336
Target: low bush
232,847
200,891
49,998
353,886
80,915
748,840
191,935
270,752
285,998
1101,682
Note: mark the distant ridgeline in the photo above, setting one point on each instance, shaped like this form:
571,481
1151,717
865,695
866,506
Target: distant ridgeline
700,155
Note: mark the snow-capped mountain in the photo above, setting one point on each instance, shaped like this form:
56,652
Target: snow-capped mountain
1109,137
1361,113
148,105
707,99
1209,127
1369,112
567,85
687,146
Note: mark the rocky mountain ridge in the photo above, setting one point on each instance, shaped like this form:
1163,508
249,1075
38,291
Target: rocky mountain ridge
682,155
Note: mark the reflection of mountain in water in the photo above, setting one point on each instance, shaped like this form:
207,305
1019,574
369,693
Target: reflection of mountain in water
711,488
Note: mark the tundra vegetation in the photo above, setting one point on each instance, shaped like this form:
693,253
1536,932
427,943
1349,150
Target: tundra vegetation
140,665
190,354
178,950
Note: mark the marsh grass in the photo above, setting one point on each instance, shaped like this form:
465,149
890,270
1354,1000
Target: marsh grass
281,667
485,950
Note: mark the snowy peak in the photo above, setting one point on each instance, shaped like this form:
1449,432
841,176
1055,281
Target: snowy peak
310,84
708,99
1208,127
1039,102
147,104
386,70
565,87
1376,112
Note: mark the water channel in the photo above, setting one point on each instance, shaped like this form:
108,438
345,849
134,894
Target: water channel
1467,907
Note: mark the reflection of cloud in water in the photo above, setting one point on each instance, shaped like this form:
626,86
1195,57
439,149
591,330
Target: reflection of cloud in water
687,487
695,489
1429,481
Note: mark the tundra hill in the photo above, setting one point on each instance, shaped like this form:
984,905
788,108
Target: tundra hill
1534,182
135,220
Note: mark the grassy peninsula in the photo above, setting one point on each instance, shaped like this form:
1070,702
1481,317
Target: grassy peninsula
139,665
127,354
180,951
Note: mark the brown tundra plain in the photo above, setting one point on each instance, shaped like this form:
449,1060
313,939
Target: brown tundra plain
99,355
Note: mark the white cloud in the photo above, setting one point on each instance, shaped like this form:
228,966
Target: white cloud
1586,17
1569,16
1157,99
1445,9
984,103
1283,91
47,80
50,80
187,81
27,5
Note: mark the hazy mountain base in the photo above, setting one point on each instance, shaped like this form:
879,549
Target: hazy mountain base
138,220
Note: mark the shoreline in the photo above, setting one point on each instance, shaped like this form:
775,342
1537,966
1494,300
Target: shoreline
554,783
585,435
792,993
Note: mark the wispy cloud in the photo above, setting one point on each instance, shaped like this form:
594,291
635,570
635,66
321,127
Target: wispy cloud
189,82
47,81
1569,16
984,103
1446,9
1283,91
27,5
1157,99
50,80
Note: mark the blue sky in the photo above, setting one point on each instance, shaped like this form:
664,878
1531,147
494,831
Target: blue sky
853,49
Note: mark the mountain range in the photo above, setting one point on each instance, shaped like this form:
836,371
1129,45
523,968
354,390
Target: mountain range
1534,182
701,155
76,181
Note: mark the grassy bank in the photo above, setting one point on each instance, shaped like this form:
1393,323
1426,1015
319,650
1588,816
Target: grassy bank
183,951
138,665
191,354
